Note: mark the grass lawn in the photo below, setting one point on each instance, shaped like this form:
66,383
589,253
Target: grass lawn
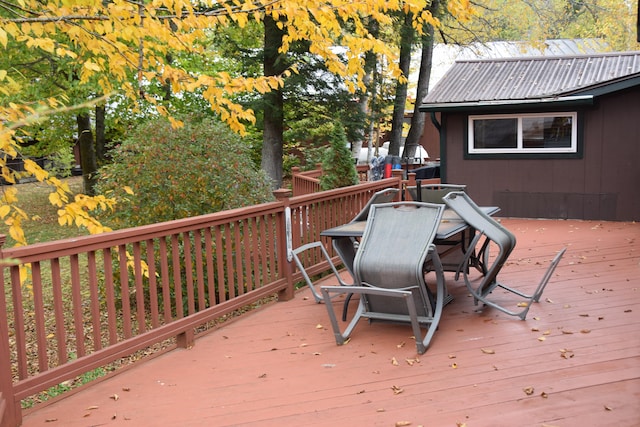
43,223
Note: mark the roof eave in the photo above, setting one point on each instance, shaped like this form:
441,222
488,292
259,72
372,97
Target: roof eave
510,104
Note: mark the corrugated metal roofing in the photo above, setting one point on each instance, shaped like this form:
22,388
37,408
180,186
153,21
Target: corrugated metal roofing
530,77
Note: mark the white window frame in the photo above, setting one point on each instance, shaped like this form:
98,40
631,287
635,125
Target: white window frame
573,148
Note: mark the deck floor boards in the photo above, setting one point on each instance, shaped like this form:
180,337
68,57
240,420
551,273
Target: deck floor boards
578,351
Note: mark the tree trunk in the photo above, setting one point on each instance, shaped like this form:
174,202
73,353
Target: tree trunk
100,133
406,40
272,139
87,153
418,118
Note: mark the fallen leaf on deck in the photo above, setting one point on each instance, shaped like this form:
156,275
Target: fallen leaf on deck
566,354
126,389
544,395
452,356
608,408
114,397
410,362
92,407
317,353
319,326
541,338
400,345
380,410
394,361
304,344
487,351
50,420
263,376
528,390
523,304
585,331
547,332
396,389
567,332
534,329
360,392
454,365
403,423
549,300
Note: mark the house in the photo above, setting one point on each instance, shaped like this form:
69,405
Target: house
543,137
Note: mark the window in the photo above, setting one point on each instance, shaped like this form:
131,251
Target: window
523,133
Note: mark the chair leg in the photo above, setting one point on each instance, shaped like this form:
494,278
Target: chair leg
345,308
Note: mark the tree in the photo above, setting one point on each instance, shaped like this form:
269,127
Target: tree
137,50
338,169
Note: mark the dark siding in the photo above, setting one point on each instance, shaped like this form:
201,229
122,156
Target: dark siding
604,184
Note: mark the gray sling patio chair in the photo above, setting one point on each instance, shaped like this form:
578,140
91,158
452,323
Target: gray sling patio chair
315,250
383,196
493,233
395,253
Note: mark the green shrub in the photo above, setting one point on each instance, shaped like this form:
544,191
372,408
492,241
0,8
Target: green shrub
338,167
200,168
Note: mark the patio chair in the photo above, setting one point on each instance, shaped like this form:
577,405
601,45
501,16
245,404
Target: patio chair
433,193
347,245
383,196
395,252
493,233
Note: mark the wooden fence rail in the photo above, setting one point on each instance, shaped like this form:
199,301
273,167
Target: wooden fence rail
71,306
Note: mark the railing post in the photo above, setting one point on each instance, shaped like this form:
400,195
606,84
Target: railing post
284,243
10,411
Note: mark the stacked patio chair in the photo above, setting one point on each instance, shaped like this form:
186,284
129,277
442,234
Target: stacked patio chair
382,196
493,233
389,269
433,193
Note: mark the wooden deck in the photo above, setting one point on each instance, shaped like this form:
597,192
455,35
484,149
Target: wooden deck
575,361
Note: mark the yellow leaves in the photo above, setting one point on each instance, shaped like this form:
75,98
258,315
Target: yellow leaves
4,211
90,65
3,38
32,168
128,190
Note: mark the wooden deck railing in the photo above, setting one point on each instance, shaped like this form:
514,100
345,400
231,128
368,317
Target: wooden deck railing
71,306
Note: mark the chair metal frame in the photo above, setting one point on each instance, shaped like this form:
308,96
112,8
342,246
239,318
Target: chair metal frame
390,268
493,232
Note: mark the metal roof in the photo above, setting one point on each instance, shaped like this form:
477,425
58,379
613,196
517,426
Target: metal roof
529,78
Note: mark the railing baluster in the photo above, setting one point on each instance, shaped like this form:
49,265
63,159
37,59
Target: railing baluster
139,286
94,293
153,284
177,270
197,249
107,262
125,295
220,283
164,277
76,300
211,280
188,268
38,311
19,326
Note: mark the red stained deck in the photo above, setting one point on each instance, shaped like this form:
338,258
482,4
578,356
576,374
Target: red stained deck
578,352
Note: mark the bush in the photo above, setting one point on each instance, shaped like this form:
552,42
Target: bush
200,168
338,166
